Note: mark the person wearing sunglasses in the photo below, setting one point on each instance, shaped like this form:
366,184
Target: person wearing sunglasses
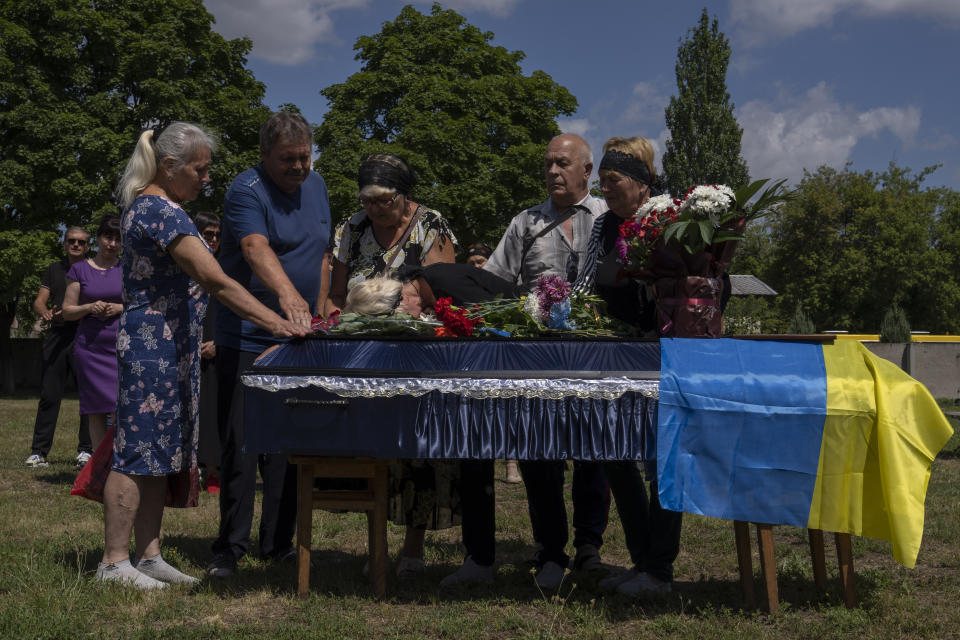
57,363
208,452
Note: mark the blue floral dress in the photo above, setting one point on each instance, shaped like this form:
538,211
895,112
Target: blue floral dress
158,345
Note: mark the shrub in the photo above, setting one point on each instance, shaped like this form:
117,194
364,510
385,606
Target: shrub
895,327
801,323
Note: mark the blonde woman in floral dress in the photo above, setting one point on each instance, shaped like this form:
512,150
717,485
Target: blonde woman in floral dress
165,264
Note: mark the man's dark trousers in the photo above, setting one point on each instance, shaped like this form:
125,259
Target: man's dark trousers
238,472
57,365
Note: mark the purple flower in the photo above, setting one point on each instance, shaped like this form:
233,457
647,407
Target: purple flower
622,250
549,291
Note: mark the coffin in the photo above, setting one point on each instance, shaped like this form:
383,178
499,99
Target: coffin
542,399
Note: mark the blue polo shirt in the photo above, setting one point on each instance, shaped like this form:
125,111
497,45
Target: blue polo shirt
297,225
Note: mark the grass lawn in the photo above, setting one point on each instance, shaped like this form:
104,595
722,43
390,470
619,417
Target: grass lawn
50,543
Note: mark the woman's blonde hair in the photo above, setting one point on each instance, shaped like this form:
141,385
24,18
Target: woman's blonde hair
374,297
637,147
375,191
180,141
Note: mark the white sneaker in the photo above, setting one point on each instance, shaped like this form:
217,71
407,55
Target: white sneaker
82,459
643,583
469,573
550,576
125,572
36,460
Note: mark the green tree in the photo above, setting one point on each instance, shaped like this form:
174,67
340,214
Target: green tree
434,90
704,144
23,257
853,244
895,326
79,80
801,323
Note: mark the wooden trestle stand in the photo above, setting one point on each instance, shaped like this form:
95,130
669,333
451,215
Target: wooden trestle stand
372,499
768,565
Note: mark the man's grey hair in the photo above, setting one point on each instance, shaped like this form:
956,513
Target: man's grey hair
284,126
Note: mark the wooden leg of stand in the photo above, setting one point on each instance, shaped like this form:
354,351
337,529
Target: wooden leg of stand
304,526
741,531
768,565
845,562
377,529
817,558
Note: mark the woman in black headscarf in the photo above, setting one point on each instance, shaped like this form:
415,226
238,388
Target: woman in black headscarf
652,534
390,231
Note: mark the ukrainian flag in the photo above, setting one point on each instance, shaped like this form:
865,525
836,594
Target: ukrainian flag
825,436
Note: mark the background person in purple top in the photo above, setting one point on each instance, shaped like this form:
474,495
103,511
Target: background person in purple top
94,296
276,229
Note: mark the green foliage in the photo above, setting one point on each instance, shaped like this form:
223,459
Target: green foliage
801,322
704,144
521,320
751,315
434,90
852,244
79,80
23,258
895,326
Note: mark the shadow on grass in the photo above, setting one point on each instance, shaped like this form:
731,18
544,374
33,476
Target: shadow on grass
949,454
338,574
58,477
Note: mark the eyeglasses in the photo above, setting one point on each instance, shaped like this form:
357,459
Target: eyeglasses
75,241
210,235
379,202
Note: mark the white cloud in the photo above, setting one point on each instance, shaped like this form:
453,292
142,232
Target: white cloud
283,31
499,8
659,148
647,105
762,20
793,133
578,126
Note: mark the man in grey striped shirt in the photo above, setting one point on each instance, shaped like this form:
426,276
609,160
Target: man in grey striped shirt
551,238
547,239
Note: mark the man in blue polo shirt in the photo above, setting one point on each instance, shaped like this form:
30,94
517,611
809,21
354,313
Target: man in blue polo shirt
276,229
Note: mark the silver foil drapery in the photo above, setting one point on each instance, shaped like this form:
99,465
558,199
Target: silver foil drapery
480,388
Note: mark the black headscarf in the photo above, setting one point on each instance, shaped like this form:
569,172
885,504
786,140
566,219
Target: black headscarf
387,170
632,167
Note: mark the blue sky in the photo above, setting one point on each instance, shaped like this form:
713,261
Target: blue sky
814,81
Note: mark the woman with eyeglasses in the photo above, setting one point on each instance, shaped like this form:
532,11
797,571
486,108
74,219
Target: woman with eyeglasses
208,451
94,297
389,232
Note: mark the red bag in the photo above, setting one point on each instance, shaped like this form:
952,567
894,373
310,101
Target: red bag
183,489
